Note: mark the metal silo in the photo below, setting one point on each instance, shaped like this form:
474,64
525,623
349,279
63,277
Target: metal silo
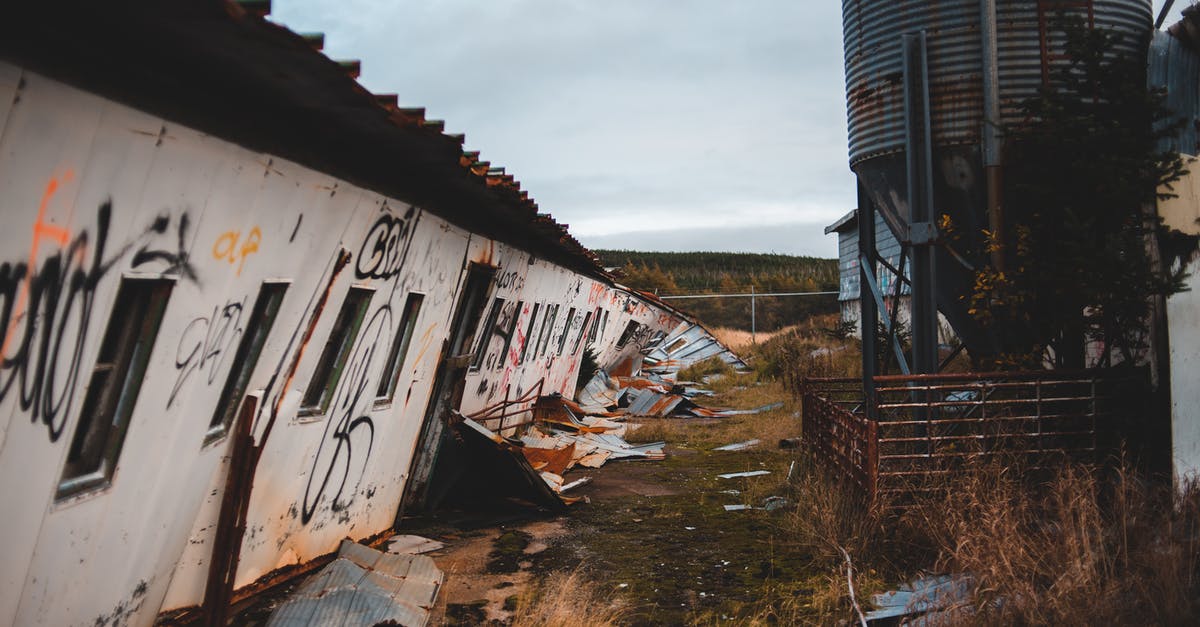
955,153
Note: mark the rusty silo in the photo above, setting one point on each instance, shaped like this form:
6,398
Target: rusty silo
923,80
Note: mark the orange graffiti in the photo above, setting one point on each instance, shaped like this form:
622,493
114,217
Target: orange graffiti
226,247
41,229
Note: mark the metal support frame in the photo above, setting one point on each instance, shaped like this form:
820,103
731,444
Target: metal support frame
919,139
868,308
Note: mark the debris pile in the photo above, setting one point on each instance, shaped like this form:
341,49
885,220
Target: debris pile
563,434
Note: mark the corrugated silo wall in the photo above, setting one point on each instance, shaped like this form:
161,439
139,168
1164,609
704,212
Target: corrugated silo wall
99,197
1028,48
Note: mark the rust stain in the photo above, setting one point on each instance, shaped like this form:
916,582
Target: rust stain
426,338
342,260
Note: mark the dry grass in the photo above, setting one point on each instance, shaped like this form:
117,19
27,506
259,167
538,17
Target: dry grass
567,600
1076,550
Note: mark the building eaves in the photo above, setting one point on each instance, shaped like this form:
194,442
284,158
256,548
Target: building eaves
848,221
223,68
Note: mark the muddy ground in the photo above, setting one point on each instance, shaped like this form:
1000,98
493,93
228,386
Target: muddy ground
654,534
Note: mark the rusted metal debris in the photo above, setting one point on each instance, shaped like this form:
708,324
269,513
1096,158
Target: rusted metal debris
364,587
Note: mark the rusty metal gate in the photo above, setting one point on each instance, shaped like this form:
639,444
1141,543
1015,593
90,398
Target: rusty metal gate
929,425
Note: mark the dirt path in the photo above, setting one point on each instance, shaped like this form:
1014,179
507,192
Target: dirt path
654,534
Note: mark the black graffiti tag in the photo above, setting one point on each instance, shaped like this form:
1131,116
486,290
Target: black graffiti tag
348,431
382,252
46,311
206,343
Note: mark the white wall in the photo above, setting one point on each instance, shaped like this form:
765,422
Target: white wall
219,220
1183,328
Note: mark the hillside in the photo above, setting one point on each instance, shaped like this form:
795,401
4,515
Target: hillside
671,274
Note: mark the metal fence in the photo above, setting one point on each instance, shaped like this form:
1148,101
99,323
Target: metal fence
929,425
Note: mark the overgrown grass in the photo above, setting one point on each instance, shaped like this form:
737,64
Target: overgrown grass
1080,548
567,600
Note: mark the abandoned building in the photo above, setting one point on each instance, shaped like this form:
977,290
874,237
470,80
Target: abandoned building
214,235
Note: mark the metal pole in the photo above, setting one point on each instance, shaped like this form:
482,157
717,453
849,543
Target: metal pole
868,316
753,318
991,129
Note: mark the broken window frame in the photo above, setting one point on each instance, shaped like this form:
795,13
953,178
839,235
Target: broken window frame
115,384
389,379
675,346
508,334
592,333
487,330
262,319
630,329
328,372
562,339
529,333
583,329
547,330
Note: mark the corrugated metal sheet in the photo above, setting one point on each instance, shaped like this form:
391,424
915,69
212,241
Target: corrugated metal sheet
686,345
649,403
874,69
1174,67
364,587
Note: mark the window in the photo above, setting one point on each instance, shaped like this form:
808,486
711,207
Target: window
508,332
591,338
582,331
485,338
627,334
562,339
390,377
529,332
676,345
337,350
547,330
266,308
114,385
603,324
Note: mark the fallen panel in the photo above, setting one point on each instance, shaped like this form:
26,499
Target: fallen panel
413,545
364,587
500,462
739,446
654,404
922,596
602,392
749,473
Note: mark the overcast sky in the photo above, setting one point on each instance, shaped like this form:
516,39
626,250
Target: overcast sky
644,124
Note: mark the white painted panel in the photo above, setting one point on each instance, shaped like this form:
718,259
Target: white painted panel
10,79
1183,321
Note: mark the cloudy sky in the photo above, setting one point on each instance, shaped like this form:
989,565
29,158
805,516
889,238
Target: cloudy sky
644,124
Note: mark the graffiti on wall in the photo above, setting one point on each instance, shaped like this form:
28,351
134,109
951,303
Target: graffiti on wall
384,248
231,247
341,460
46,305
207,342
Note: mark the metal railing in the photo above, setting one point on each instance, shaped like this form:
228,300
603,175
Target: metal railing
930,425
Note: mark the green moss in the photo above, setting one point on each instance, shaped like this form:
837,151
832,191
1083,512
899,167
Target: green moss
508,552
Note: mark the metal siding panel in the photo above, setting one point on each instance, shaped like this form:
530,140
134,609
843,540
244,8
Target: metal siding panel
874,94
